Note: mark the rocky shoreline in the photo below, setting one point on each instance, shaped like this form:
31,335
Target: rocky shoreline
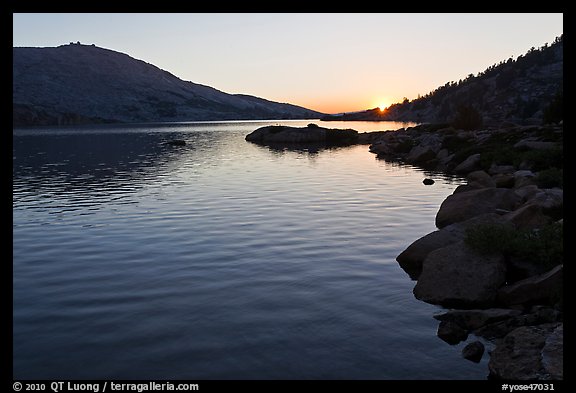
496,261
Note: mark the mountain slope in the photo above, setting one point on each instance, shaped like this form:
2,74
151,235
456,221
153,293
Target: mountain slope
514,90
76,83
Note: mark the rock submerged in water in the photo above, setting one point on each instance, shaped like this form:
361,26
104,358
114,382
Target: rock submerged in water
428,182
473,351
175,142
299,135
451,332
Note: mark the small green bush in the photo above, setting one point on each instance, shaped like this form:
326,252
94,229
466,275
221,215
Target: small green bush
549,178
543,245
544,159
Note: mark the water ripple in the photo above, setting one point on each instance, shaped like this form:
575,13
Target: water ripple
218,260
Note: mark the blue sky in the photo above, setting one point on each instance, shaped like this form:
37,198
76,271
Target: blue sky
333,62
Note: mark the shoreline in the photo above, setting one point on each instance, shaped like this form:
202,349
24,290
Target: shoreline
493,291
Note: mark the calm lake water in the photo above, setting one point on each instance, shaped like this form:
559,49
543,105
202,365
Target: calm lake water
220,259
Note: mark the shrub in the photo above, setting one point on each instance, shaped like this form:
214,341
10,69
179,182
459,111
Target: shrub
553,113
544,159
549,178
543,245
467,118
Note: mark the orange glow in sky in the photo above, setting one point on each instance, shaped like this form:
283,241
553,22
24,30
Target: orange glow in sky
328,62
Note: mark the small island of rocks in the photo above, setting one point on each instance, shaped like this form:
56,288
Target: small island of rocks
311,134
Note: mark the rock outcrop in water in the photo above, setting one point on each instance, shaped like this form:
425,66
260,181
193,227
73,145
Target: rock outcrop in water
312,134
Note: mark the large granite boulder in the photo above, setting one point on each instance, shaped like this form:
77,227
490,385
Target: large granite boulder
548,198
465,205
544,288
480,179
528,216
420,154
470,164
413,256
456,276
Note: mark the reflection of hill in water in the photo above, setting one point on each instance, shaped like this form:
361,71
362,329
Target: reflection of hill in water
92,168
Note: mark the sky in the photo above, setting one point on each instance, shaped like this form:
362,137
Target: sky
332,63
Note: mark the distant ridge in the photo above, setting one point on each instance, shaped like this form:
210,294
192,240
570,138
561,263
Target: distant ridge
518,91
77,84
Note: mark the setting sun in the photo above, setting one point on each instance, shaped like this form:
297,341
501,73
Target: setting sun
382,103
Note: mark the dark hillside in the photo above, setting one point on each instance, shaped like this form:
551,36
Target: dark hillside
77,83
528,90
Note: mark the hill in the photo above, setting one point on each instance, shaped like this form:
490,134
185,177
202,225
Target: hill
75,83
519,91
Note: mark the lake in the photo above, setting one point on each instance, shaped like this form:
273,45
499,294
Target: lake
221,259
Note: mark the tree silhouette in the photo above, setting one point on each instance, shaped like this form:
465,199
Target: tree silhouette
467,118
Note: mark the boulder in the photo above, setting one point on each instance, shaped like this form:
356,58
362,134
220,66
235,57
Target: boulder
451,333
542,288
470,164
456,276
501,169
420,154
503,180
480,179
523,178
519,355
548,198
526,192
526,144
443,154
412,257
463,188
428,181
465,205
473,351
519,268
528,216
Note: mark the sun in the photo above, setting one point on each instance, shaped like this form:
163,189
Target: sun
382,105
